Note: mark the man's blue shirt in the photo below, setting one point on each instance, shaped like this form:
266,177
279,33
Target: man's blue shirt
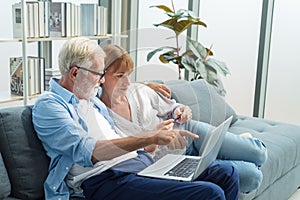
65,142
54,115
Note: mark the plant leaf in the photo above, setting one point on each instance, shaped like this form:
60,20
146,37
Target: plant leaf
196,20
170,56
219,66
187,13
152,53
189,63
162,59
201,69
188,53
197,48
176,15
163,7
211,76
219,87
216,82
168,23
182,25
200,23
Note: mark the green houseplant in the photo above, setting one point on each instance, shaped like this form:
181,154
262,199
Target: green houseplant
196,59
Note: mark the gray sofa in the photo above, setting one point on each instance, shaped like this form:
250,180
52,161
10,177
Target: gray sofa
24,164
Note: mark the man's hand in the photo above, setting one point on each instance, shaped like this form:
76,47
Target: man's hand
174,139
182,114
161,88
165,125
109,149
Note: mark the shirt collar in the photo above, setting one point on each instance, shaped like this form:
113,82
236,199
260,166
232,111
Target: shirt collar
55,87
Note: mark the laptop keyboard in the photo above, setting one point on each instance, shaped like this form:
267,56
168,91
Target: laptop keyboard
183,169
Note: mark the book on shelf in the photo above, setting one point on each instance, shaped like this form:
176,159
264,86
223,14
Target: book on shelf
60,19
102,19
36,19
68,11
41,19
78,21
57,19
17,20
46,18
30,20
35,66
89,16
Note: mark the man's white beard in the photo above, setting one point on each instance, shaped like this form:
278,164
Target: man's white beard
85,89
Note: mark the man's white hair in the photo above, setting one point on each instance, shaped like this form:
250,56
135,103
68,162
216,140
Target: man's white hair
79,52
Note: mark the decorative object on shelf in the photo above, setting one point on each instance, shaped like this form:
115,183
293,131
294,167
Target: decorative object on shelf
196,59
35,75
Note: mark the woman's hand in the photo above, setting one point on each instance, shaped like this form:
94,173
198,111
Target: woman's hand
182,114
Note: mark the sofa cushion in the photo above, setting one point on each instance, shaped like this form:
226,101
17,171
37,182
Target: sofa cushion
282,141
23,154
206,104
4,183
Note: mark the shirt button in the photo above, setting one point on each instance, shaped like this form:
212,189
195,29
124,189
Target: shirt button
67,168
53,187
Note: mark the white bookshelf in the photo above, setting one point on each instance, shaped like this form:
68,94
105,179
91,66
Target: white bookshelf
6,98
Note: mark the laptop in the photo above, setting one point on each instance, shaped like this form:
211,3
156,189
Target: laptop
188,168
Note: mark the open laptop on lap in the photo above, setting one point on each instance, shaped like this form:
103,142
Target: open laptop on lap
188,168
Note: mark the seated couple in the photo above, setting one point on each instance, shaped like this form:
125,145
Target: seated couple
136,108
90,154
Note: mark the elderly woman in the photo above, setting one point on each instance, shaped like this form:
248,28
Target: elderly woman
135,108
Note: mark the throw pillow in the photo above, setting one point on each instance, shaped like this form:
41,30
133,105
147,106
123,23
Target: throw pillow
4,183
25,159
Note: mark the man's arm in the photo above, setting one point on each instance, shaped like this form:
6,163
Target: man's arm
109,149
58,131
161,88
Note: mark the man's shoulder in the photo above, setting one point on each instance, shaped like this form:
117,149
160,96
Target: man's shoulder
46,96
47,99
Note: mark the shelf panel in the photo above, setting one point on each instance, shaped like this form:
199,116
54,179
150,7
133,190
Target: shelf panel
46,39
6,97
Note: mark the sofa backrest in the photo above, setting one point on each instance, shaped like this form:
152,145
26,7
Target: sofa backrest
24,157
206,104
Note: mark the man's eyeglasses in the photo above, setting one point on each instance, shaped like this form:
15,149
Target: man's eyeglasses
101,75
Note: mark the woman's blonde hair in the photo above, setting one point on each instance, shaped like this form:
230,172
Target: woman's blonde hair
117,59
